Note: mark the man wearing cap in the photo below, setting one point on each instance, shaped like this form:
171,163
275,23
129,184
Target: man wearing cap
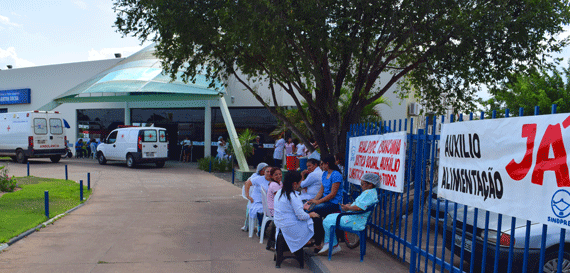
369,196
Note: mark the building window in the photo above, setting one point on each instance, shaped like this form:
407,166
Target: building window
97,123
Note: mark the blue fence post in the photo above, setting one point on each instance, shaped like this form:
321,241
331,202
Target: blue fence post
233,173
88,181
554,108
66,177
536,110
210,166
417,191
28,168
46,203
80,190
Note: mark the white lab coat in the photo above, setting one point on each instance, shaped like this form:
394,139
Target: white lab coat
257,205
313,183
290,218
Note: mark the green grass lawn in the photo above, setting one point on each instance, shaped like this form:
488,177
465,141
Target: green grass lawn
24,209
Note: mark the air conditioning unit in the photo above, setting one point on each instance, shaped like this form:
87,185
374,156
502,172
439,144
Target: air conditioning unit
414,109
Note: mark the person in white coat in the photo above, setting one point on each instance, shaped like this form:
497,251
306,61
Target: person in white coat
256,207
248,189
290,219
312,180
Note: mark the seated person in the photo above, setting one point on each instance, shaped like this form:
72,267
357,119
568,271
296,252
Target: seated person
368,197
312,180
79,148
256,207
274,186
290,218
248,190
327,199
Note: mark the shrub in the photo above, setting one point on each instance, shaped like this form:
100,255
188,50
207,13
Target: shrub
7,183
218,165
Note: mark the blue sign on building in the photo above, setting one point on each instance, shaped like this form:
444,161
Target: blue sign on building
17,96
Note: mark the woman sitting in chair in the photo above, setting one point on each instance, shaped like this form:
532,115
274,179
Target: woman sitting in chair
290,219
327,199
369,196
259,182
274,186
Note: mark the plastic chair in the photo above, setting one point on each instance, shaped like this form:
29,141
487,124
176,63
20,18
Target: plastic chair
266,215
361,233
245,224
248,224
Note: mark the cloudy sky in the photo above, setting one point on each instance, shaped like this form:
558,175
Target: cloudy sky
44,32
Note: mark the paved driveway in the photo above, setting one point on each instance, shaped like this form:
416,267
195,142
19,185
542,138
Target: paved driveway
172,219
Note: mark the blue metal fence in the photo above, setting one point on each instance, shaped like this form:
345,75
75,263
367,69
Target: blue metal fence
436,235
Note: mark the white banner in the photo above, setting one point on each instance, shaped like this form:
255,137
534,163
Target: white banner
380,154
514,166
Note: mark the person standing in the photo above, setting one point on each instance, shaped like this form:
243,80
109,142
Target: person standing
221,148
289,147
278,152
257,151
93,148
301,149
186,149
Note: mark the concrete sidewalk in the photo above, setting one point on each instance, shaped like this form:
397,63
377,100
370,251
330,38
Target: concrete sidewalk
174,219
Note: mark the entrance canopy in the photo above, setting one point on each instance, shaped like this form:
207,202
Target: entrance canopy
140,77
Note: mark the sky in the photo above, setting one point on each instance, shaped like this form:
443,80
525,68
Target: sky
45,32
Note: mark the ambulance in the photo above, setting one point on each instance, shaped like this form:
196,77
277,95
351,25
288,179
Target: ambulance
31,134
135,145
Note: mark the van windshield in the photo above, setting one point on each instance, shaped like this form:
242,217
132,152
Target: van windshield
55,126
40,126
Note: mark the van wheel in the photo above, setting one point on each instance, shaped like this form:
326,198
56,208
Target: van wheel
20,157
130,161
160,164
55,158
101,158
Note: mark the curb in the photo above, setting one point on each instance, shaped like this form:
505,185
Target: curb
44,224
314,263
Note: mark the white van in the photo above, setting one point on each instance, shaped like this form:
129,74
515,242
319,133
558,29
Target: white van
135,145
32,134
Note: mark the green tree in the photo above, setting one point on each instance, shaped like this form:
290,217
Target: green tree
314,48
542,87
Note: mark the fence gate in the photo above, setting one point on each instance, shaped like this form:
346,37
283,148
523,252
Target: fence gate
437,235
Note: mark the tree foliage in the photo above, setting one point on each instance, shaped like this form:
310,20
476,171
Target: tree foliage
542,88
312,49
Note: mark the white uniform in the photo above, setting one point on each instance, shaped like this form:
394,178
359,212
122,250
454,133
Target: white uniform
290,218
313,183
301,149
279,147
257,205
221,150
